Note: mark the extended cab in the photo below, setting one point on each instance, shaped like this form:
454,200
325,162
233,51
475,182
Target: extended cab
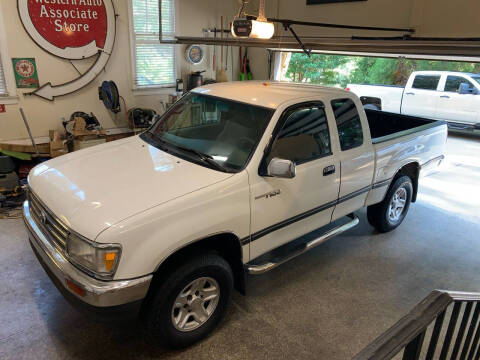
449,96
226,183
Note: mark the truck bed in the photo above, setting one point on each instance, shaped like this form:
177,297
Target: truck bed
385,126
399,140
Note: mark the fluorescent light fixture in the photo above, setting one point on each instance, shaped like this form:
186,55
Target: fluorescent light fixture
258,29
262,29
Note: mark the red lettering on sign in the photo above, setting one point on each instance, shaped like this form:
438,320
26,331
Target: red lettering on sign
70,23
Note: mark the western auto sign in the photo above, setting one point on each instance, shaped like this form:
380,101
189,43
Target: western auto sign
73,30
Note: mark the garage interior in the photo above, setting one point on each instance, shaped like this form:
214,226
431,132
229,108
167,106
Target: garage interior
329,303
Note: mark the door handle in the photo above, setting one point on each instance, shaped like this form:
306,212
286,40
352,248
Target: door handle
329,170
445,97
409,93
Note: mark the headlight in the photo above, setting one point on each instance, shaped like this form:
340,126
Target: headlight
99,259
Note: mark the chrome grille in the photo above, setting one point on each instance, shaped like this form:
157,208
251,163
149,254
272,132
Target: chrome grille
55,231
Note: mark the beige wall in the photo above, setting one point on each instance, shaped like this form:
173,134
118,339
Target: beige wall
449,18
441,18
192,16
431,18
195,15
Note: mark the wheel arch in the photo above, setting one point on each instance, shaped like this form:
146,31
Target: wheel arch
226,244
376,211
412,170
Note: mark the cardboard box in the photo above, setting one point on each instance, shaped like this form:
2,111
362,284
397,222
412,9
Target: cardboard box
79,130
58,146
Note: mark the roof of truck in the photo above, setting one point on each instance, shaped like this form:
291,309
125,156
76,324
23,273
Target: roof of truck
270,94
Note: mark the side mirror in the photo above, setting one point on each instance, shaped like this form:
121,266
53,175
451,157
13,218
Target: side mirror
281,168
464,89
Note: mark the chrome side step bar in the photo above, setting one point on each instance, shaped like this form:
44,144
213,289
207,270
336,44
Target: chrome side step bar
263,268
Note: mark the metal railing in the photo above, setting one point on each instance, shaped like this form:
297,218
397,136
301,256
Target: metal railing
432,330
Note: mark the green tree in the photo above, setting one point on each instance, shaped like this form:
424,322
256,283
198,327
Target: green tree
317,69
336,70
370,70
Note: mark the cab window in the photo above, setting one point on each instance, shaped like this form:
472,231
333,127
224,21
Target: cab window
348,123
426,82
453,84
304,135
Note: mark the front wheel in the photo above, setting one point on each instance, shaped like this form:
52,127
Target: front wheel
190,302
390,213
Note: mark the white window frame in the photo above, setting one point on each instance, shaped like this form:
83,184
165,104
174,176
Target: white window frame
12,97
157,89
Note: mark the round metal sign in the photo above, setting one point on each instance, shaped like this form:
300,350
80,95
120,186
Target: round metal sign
70,29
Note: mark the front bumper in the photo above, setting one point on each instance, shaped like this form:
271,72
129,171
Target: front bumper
99,294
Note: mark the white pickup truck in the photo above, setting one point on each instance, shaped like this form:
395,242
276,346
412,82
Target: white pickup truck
449,96
226,183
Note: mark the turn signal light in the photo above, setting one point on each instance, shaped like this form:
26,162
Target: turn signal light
109,260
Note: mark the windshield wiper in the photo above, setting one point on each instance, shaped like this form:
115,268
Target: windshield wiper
164,145
203,157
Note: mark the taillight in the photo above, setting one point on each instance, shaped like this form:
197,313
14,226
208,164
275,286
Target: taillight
348,89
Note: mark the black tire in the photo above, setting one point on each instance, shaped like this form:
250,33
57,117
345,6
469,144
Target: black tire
378,214
157,317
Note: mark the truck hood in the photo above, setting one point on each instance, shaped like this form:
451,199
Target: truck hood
95,188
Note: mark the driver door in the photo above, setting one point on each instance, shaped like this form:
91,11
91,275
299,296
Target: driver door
285,209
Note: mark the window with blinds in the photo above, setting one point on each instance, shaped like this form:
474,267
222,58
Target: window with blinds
3,85
154,62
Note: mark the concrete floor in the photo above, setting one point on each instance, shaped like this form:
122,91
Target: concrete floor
327,304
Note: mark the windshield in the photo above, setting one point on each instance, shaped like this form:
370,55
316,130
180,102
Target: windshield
214,132
476,78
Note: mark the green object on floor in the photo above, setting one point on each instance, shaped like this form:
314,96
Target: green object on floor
244,77
16,154
245,72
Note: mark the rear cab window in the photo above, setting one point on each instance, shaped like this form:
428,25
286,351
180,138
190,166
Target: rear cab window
426,82
349,125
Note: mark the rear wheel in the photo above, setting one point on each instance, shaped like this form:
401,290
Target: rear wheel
390,213
190,302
